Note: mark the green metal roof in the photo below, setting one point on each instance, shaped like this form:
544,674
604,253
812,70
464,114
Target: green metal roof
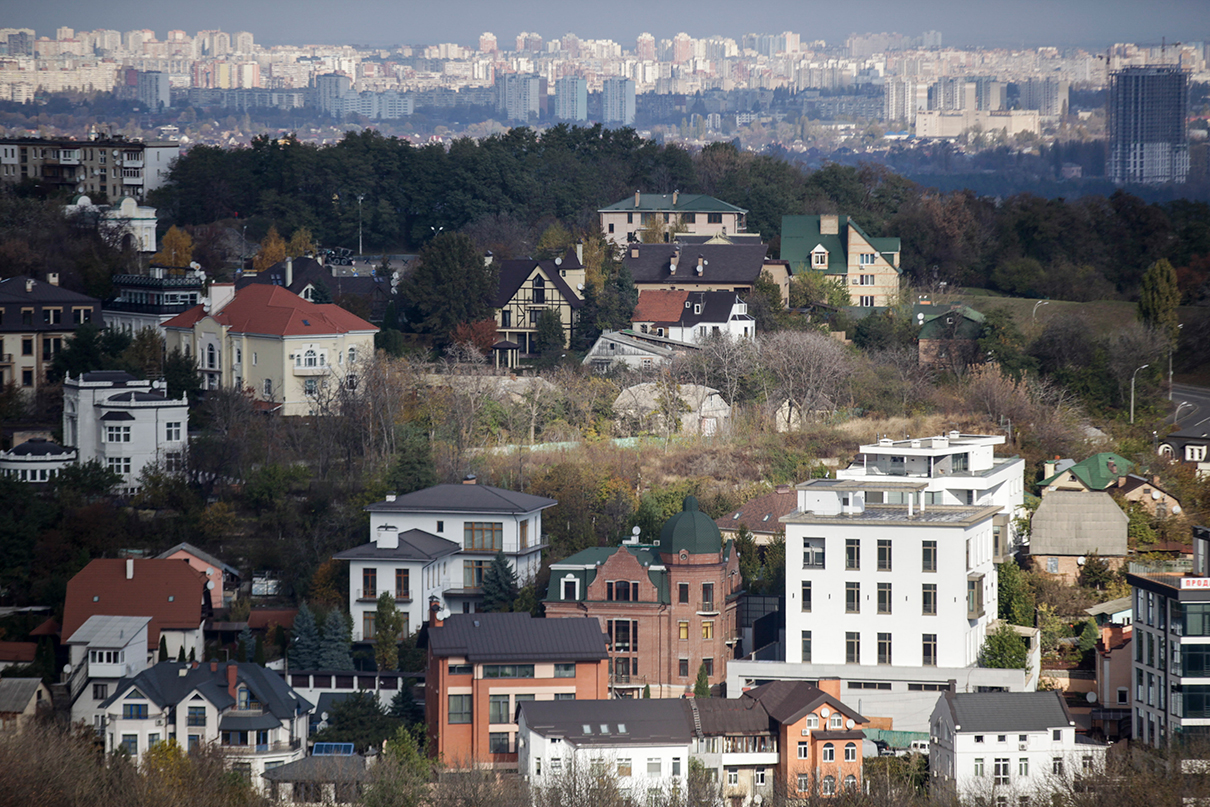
648,556
800,236
691,530
938,325
1098,472
662,202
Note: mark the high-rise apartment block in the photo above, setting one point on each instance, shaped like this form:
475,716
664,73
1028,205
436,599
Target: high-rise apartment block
1148,136
521,97
617,102
153,89
1047,95
571,99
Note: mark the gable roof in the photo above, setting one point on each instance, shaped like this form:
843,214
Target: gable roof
1098,472
584,565
1076,522
516,271
274,311
13,290
790,701
957,322
762,514
413,545
200,554
16,693
322,769
635,721
164,685
663,202
103,630
169,591
800,236
19,652
464,499
492,637
687,308
1007,712
732,716
739,264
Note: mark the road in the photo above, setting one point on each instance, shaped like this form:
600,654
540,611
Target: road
1196,416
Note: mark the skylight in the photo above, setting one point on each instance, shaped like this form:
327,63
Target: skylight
621,728
587,729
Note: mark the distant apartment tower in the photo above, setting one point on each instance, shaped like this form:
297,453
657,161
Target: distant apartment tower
153,89
487,42
1148,136
644,48
521,97
1047,95
571,99
903,98
329,92
617,102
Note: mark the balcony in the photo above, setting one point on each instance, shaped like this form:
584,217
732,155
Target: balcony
148,308
367,594
706,607
300,370
628,680
6,358
266,748
403,596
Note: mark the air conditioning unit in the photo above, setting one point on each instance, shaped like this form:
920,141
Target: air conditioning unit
1022,746
159,721
806,732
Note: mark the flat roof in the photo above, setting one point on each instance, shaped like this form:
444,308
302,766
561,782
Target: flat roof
844,485
935,515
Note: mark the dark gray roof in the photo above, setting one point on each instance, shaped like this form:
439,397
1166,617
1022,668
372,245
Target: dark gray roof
15,693
39,447
788,701
518,638
200,555
515,272
117,416
133,396
726,263
12,290
413,545
1007,711
636,721
108,376
464,499
733,716
322,769
165,686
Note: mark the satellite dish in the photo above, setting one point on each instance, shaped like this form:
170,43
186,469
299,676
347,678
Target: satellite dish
1176,509
824,712
1091,697
444,613
579,287
209,570
758,799
850,723
1080,560
635,532
324,717
1155,495
66,668
558,261
210,585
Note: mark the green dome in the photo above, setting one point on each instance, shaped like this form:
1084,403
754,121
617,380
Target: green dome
690,530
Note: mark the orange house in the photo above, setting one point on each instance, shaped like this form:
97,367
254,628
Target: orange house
820,738
482,666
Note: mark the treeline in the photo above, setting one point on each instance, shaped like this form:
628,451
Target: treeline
1079,249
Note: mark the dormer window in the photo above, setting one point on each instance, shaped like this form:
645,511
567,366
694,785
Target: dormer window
819,258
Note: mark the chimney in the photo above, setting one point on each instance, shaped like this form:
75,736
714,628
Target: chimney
29,285
387,538
830,686
701,264
634,250
487,258
130,568
434,610
783,488
636,198
52,278
672,264
829,225
232,670
214,666
580,252
391,496
289,272
675,195
469,479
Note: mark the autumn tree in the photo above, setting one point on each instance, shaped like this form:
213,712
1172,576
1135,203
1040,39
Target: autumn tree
481,334
272,250
554,242
301,243
176,249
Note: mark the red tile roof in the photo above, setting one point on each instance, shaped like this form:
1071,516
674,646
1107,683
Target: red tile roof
660,305
275,311
762,514
48,628
18,652
170,592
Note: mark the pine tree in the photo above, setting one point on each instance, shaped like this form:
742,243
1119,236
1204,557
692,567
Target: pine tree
244,648
320,294
1089,636
1158,299
404,707
336,647
701,687
388,624
181,655
413,468
192,655
163,648
499,585
259,656
647,691
304,644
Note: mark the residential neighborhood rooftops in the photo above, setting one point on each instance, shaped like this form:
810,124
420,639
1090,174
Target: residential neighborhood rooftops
165,684
763,513
1007,711
672,202
504,637
274,311
611,722
321,769
732,716
673,306
413,545
721,263
200,554
789,701
467,498
168,591
102,630
15,693
1098,472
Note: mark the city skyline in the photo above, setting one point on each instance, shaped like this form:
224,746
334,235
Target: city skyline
1074,23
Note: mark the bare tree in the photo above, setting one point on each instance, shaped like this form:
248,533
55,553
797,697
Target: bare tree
810,370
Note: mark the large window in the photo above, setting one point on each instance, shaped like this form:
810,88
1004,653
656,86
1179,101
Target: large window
473,571
929,648
508,671
929,557
884,555
852,553
134,711
708,629
884,648
1000,771
369,584
1196,700
172,431
852,598
884,598
460,708
929,599
812,553
497,709
1197,618
497,742
852,647
829,752
483,535
565,670
806,647
850,752
117,434
403,590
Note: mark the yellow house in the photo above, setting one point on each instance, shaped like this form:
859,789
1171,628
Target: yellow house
284,350
528,286
837,247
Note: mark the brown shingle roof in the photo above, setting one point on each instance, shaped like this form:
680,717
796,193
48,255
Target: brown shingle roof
168,591
762,514
660,305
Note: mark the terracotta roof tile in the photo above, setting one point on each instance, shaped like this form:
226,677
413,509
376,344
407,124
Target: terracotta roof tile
171,592
275,311
660,305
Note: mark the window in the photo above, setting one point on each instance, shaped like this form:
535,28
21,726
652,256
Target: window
850,752
369,584
27,378
565,670
732,776
654,768
100,692
929,557
978,766
506,317
812,553
118,465
866,301
508,671
852,598
812,721
804,750
134,711
884,648
708,629
852,553
759,781
866,259
460,709
497,709
866,280
473,571
461,669
806,647
368,625
1056,766
714,218
403,590
929,654
804,782
852,647
707,596
1023,766
806,595
683,630
624,767
1052,565
1000,771
682,593
311,386
172,431
497,742
268,388
130,744
27,347
683,668
928,599
829,752
708,663
884,598
483,535
524,533
884,555
974,598
197,716
819,259
117,434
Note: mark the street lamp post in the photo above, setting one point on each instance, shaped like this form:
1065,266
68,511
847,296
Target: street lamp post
1170,349
1035,313
1132,376
360,196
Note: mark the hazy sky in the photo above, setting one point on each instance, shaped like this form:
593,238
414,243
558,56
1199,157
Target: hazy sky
1089,23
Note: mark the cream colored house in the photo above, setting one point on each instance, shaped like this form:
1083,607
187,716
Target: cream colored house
837,247
684,212
281,348
528,286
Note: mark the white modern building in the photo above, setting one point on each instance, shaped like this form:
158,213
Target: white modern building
411,566
617,101
480,520
957,469
104,650
37,460
133,224
1007,747
124,423
571,99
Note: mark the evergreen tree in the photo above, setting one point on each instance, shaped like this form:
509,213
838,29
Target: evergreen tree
413,468
450,284
1004,649
404,707
548,338
246,645
647,691
1158,299
304,644
388,624
259,656
321,295
336,646
358,719
163,648
499,585
749,559
181,655
1089,636
1016,598
192,654
701,687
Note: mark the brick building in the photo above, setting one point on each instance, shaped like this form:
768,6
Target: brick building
667,607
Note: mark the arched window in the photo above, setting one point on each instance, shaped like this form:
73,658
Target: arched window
309,358
829,786
836,721
211,357
829,752
850,782
352,355
850,752
323,359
